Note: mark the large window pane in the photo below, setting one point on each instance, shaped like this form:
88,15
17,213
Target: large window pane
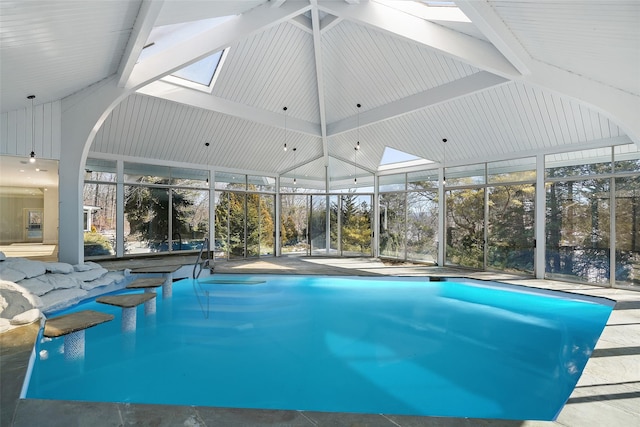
260,225
628,231
577,227
465,227
578,163
356,225
100,170
395,182
230,181
465,175
512,170
627,158
190,218
422,226
190,177
318,224
294,221
221,233
99,205
423,180
392,234
511,228
237,224
146,219
261,183
140,172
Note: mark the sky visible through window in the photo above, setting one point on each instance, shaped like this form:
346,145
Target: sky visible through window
201,72
392,156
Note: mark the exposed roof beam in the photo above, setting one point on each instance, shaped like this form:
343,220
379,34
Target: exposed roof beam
192,50
456,89
171,92
328,23
317,50
147,15
300,164
354,164
497,32
303,23
417,30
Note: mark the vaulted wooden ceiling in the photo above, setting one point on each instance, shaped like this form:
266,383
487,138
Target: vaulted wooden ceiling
511,78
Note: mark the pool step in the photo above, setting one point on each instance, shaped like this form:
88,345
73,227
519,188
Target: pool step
128,303
146,283
72,327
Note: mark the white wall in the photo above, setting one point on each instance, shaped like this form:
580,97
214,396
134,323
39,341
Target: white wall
16,129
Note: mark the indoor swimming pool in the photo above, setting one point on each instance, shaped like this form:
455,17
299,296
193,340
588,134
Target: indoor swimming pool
390,345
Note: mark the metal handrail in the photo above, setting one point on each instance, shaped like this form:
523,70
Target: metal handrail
200,262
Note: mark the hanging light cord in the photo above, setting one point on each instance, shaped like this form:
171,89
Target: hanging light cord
357,148
285,128
295,165
32,156
444,159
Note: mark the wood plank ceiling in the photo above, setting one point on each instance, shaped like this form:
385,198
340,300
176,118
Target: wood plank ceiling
320,61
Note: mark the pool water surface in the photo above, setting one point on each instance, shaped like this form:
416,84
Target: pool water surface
367,345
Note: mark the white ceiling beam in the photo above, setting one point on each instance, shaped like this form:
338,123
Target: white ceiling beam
452,43
171,92
453,90
303,23
317,51
192,50
496,31
328,23
147,15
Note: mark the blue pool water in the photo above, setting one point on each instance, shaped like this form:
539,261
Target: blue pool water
367,345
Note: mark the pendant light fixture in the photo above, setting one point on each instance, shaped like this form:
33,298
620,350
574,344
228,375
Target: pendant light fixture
444,160
357,148
32,156
285,128
295,166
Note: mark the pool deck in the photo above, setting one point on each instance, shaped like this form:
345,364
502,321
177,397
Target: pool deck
607,394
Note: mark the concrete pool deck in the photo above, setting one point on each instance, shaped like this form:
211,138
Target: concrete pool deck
607,394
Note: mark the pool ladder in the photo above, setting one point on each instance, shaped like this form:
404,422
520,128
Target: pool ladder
203,262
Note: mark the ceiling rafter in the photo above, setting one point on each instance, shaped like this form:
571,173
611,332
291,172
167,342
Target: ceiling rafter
317,51
147,16
456,89
496,31
170,92
192,50
454,44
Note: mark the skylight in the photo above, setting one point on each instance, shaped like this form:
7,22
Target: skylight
201,72
392,159
430,10
200,75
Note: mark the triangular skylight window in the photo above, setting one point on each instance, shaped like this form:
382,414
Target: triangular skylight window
392,159
201,72
200,75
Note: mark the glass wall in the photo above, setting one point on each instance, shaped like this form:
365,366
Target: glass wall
511,215
355,225
591,218
165,209
408,209
244,216
294,220
465,228
592,214
99,199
